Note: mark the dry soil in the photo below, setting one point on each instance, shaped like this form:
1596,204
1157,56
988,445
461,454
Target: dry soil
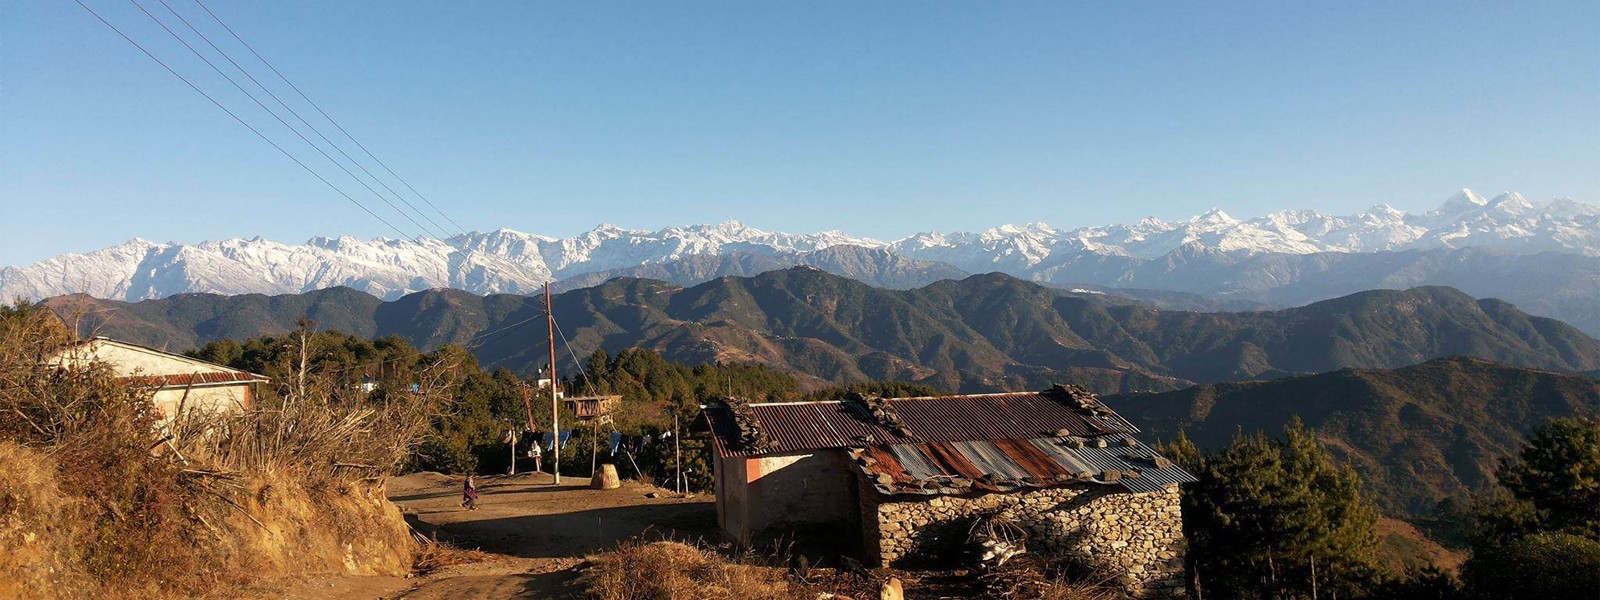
538,533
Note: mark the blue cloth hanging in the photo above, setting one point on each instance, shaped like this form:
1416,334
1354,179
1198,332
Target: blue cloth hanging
616,440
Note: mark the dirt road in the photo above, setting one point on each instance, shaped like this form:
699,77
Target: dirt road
538,533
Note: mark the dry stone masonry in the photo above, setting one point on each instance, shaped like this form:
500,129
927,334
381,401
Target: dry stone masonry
1137,537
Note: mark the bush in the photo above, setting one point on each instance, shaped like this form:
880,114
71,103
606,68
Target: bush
1542,566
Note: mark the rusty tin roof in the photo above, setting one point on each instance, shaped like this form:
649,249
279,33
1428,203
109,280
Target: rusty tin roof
191,379
1015,464
807,426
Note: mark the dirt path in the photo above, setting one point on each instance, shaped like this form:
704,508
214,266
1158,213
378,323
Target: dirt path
540,533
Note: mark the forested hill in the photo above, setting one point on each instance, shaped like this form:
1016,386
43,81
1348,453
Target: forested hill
984,332
1415,434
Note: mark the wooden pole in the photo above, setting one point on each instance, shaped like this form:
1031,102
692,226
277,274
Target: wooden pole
300,388
511,444
637,474
677,456
594,447
527,405
555,414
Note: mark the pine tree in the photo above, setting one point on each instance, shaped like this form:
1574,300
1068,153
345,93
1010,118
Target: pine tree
1265,509
1558,471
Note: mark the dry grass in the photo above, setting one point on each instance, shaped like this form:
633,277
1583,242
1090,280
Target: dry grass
1034,578
110,502
433,555
677,571
33,514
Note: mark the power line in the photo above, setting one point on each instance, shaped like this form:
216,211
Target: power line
581,370
437,228
274,115
325,115
240,120
443,237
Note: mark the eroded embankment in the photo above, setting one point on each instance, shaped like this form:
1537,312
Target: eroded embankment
194,534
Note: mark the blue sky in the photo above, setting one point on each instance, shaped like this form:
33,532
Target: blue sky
877,118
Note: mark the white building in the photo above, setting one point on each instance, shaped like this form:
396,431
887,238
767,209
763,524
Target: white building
179,383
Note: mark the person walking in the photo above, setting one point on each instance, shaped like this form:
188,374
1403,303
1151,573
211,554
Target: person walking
469,492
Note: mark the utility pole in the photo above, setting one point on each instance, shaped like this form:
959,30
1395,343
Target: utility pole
305,327
677,456
555,413
511,444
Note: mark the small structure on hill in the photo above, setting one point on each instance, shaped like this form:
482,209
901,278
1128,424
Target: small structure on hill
914,475
177,383
592,409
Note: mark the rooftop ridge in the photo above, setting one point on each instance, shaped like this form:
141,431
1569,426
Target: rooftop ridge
944,397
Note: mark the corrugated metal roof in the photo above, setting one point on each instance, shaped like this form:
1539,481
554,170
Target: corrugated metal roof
1138,456
1010,465
189,379
802,426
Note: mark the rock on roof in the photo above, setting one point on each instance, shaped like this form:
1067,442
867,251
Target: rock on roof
806,426
955,444
1014,465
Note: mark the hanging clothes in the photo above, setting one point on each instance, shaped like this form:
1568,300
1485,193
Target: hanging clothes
616,441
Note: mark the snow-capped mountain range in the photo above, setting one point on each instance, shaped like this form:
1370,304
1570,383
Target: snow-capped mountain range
514,262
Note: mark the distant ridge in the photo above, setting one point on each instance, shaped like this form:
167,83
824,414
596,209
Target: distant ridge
982,333
1543,256
1416,434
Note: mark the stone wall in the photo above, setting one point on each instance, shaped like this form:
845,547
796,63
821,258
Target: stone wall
1136,538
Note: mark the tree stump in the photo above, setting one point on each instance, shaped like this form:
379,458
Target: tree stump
605,478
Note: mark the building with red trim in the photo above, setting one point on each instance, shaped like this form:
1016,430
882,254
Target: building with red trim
176,383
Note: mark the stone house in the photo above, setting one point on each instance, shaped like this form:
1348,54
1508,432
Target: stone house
908,478
176,383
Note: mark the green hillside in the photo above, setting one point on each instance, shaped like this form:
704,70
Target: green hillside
1416,434
984,332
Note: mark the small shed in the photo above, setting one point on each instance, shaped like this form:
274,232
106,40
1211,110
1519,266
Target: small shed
592,408
178,383
912,475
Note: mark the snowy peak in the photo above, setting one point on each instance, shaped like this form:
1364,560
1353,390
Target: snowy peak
510,261
1464,200
1214,217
